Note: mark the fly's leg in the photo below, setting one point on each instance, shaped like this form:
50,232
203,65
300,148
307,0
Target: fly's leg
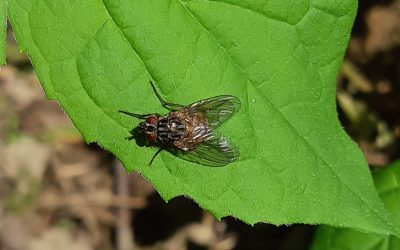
167,105
130,137
155,155
139,116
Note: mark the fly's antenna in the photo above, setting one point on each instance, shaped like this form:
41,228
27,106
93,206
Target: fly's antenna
155,155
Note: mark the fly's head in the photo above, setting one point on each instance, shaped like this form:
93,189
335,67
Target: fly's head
145,134
149,128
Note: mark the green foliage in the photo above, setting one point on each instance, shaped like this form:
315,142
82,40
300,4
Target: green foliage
3,31
280,58
387,182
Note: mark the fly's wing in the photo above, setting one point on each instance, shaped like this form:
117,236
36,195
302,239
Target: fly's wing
217,109
215,151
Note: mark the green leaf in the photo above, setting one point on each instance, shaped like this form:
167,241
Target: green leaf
280,58
387,182
3,31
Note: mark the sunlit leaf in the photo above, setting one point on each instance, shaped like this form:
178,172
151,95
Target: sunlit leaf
3,30
280,58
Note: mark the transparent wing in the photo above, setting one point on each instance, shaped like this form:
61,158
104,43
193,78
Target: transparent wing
215,151
217,109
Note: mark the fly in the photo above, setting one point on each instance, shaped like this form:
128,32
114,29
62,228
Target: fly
189,131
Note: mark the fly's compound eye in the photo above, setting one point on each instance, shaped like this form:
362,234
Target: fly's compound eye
151,120
151,137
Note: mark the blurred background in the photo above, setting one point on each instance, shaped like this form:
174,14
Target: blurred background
56,192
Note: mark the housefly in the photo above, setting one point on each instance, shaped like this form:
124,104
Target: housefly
189,131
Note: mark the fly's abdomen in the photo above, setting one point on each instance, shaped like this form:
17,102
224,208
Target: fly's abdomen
170,129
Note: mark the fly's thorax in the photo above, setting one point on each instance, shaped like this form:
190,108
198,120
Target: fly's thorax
170,128
192,120
199,119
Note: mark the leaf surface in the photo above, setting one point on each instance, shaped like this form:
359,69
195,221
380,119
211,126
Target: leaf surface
280,58
387,182
3,31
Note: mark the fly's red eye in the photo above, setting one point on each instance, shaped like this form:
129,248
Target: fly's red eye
151,120
151,137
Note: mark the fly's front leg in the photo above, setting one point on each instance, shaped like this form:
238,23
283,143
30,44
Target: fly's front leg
167,105
139,116
131,137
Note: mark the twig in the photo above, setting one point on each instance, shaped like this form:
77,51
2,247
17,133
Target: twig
124,232
52,201
356,78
